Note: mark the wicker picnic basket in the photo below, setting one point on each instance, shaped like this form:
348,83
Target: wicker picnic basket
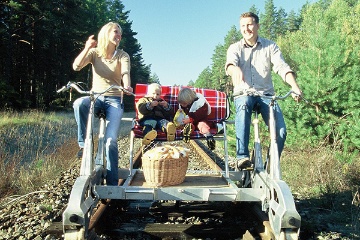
165,165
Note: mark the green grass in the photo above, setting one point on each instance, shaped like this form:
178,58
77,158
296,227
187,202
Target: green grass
12,118
34,146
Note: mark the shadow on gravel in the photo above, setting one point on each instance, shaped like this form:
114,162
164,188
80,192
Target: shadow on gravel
176,220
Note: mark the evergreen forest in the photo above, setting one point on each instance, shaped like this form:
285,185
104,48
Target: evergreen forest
39,42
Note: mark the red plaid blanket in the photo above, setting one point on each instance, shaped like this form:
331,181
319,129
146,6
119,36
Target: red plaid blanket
217,100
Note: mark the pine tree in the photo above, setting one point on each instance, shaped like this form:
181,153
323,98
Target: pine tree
253,9
40,41
280,23
293,22
268,21
326,54
204,79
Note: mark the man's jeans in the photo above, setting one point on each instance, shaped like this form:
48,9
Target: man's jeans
114,110
244,106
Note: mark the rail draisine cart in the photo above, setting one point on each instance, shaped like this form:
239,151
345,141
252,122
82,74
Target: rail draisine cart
261,183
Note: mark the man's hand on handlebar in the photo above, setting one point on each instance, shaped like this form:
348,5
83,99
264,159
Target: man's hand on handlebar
296,94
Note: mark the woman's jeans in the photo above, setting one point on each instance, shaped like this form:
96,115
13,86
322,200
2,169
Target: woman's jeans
244,106
114,110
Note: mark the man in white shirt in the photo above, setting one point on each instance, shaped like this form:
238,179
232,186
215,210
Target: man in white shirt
249,63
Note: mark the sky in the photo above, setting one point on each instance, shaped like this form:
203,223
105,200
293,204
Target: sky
178,37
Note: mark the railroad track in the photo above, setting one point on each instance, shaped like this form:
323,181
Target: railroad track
144,219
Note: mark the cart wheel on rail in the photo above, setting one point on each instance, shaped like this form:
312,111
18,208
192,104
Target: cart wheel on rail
76,217
75,234
288,234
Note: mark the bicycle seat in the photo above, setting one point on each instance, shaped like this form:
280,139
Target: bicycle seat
256,108
100,113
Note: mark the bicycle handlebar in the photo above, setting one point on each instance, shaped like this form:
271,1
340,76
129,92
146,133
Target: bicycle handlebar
288,94
77,88
273,97
72,85
282,97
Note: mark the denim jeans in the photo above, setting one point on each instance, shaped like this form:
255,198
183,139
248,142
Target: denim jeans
114,110
154,123
244,106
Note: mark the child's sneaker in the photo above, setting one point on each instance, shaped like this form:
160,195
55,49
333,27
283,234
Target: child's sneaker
170,131
149,137
187,131
210,142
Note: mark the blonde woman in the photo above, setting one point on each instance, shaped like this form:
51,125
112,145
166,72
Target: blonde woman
110,66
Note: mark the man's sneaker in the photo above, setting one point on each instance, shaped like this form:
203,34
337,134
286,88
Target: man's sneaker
170,131
187,131
149,137
243,163
80,153
210,142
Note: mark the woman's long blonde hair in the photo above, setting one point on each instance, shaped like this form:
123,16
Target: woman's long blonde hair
103,38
